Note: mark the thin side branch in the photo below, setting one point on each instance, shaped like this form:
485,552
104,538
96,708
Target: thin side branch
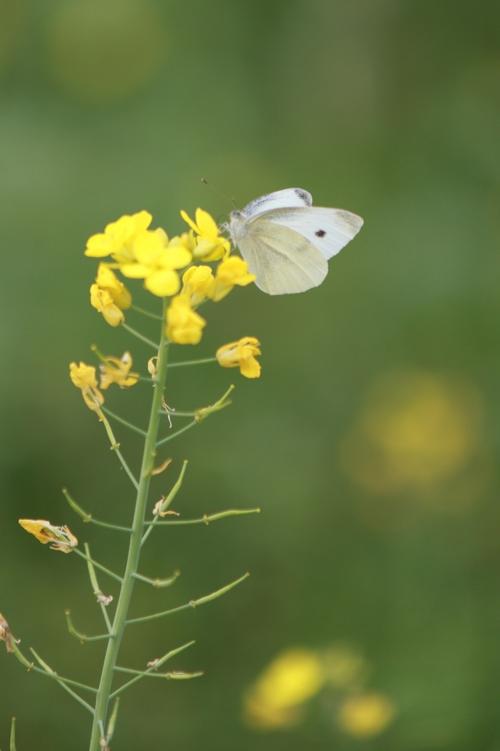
172,675
153,667
98,565
177,432
52,673
12,740
122,421
191,603
158,583
115,446
87,517
78,634
207,519
101,598
147,313
140,336
162,508
187,363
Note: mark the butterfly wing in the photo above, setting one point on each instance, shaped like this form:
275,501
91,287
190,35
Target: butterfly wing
282,260
329,230
280,199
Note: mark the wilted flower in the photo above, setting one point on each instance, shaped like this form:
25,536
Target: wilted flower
241,354
6,635
365,715
61,538
84,378
117,370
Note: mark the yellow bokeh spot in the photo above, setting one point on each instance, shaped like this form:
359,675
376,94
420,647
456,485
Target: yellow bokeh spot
416,431
365,715
290,680
104,51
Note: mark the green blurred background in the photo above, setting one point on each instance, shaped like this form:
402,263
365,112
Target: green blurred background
370,439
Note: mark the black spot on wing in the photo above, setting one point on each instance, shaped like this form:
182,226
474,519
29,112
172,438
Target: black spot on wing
303,195
320,233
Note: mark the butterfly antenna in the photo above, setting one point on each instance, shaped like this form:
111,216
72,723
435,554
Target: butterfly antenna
219,193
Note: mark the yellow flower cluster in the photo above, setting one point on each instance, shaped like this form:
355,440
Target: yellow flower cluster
173,268
140,252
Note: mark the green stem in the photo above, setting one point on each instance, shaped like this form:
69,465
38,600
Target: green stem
12,742
63,685
140,336
192,603
177,432
187,363
119,621
146,312
207,518
30,667
98,565
167,502
122,421
157,664
96,588
115,446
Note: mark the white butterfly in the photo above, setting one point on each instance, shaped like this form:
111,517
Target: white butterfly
287,241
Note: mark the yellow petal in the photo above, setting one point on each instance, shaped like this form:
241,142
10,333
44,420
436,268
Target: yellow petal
112,315
175,257
135,270
206,225
147,247
106,277
163,283
189,221
98,246
250,368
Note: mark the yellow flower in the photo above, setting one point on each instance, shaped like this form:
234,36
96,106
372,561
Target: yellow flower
117,238
62,538
109,296
293,678
230,271
117,370
241,354
210,245
6,635
84,378
417,432
155,260
184,325
198,282
365,715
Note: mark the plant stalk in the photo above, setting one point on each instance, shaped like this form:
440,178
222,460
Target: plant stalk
131,568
